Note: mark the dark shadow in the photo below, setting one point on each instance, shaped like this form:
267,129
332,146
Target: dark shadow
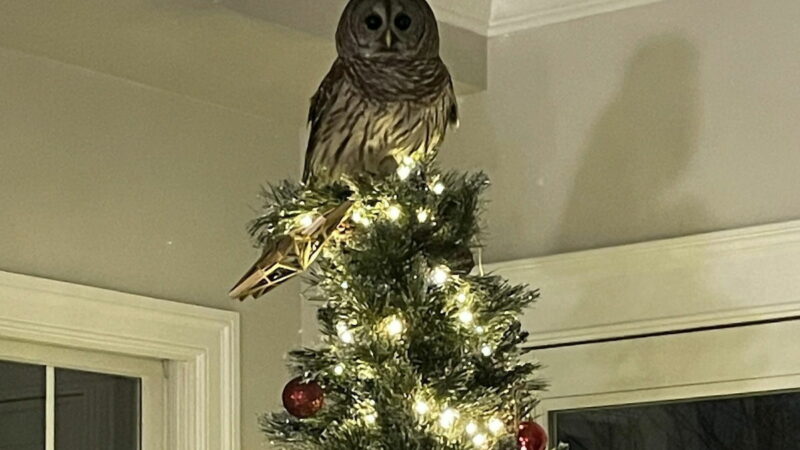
636,151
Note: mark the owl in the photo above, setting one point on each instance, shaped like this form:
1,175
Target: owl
388,94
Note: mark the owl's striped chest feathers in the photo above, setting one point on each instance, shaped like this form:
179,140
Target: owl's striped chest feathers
378,114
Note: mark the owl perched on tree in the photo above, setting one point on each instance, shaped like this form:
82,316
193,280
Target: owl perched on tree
387,95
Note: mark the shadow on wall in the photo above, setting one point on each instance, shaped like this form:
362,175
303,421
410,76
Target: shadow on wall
637,149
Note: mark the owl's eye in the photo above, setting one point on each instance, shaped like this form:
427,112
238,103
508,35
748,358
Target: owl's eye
402,21
373,22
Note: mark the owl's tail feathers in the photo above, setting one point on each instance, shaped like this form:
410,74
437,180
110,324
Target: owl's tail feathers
290,255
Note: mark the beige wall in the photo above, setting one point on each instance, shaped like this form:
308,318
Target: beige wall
113,184
658,121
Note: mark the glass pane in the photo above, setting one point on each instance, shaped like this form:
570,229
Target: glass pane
747,422
22,406
97,411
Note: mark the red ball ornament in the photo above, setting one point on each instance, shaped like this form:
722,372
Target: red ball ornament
531,436
303,400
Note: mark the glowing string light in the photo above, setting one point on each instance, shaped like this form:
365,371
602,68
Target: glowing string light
395,326
394,212
448,418
403,172
480,440
345,335
440,275
306,220
496,426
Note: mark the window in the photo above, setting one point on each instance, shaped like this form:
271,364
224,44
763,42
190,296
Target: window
185,358
102,401
767,421
22,406
686,342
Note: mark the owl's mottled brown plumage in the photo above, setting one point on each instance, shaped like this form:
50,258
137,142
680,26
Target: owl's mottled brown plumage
387,95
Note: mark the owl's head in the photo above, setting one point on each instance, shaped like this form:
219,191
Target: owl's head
404,29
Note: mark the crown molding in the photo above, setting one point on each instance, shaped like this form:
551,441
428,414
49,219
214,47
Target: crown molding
706,281
498,17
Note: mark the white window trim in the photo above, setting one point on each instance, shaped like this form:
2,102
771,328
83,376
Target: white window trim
606,319
199,347
707,280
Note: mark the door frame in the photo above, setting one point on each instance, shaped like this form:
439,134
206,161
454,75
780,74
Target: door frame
198,347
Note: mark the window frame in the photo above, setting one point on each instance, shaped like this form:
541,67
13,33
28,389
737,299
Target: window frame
198,348
686,318
149,371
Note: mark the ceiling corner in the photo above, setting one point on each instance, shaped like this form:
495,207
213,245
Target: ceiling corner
498,17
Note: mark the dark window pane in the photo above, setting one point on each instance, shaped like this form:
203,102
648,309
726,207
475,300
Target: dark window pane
766,422
22,405
96,411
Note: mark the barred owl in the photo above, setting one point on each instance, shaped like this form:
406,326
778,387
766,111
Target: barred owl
387,95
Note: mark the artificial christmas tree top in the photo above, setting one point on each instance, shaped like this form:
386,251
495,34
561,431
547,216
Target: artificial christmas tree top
417,351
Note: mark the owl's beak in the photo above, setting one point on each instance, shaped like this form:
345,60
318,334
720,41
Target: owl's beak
388,38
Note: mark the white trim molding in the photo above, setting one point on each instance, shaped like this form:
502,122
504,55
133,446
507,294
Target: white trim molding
498,17
718,279
198,346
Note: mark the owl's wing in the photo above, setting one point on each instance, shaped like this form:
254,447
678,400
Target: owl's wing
320,103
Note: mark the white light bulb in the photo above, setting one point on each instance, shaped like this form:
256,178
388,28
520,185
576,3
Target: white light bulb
394,212
439,275
448,418
358,217
466,317
438,188
423,215
344,333
339,369
409,161
486,350
345,284
306,220
461,297
479,330
346,337
370,418
395,327
421,407
403,172
480,440
496,426
471,428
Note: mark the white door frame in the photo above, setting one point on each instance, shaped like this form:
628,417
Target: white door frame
199,348
707,315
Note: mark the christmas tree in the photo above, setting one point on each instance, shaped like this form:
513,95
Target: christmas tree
417,350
